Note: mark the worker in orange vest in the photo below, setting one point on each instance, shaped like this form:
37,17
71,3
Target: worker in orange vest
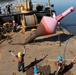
20,58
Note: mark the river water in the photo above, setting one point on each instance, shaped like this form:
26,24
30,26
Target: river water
69,22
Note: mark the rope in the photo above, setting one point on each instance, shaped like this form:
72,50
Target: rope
60,43
59,38
66,47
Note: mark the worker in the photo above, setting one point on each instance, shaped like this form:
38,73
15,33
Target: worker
20,58
61,66
39,6
7,8
14,26
11,8
37,72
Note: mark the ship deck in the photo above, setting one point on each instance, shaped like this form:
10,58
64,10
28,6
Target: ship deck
45,49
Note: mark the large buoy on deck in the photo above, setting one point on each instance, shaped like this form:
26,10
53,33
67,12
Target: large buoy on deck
48,25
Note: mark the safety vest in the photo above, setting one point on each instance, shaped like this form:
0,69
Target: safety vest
20,59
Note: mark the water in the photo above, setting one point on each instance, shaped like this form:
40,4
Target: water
69,22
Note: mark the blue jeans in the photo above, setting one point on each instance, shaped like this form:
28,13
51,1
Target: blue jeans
21,64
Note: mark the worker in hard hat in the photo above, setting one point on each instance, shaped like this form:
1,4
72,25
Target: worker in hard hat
61,66
36,71
20,58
